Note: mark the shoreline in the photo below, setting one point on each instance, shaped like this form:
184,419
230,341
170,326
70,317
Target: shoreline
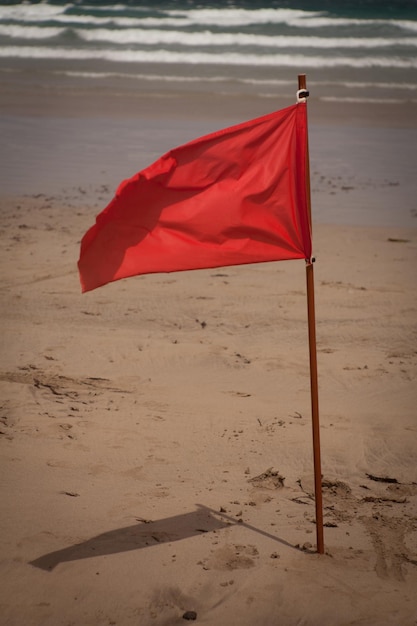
60,89
63,132
359,175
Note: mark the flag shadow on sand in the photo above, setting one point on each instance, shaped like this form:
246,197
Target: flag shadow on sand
145,534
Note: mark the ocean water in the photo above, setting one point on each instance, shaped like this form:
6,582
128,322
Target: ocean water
363,51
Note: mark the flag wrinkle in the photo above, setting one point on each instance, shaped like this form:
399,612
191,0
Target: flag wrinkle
234,197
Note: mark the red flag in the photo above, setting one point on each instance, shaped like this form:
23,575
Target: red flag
232,197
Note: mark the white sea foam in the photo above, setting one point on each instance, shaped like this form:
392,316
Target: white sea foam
30,32
169,78
207,38
94,20
243,17
115,7
166,56
272,82
188,21
174,37
364,100
226,17
292,17
223,17
32,12
368,85
405,24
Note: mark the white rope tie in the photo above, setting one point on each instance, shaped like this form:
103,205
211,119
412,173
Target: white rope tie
302,95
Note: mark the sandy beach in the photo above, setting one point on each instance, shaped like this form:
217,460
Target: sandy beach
156,446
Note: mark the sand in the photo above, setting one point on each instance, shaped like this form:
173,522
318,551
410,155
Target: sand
156,449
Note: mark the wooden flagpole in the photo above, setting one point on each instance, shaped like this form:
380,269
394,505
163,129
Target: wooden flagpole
302,85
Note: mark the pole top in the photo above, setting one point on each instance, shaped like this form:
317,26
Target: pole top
302,81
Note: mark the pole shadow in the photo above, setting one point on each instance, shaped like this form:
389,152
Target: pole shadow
145,534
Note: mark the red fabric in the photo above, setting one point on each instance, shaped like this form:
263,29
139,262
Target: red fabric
233,197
